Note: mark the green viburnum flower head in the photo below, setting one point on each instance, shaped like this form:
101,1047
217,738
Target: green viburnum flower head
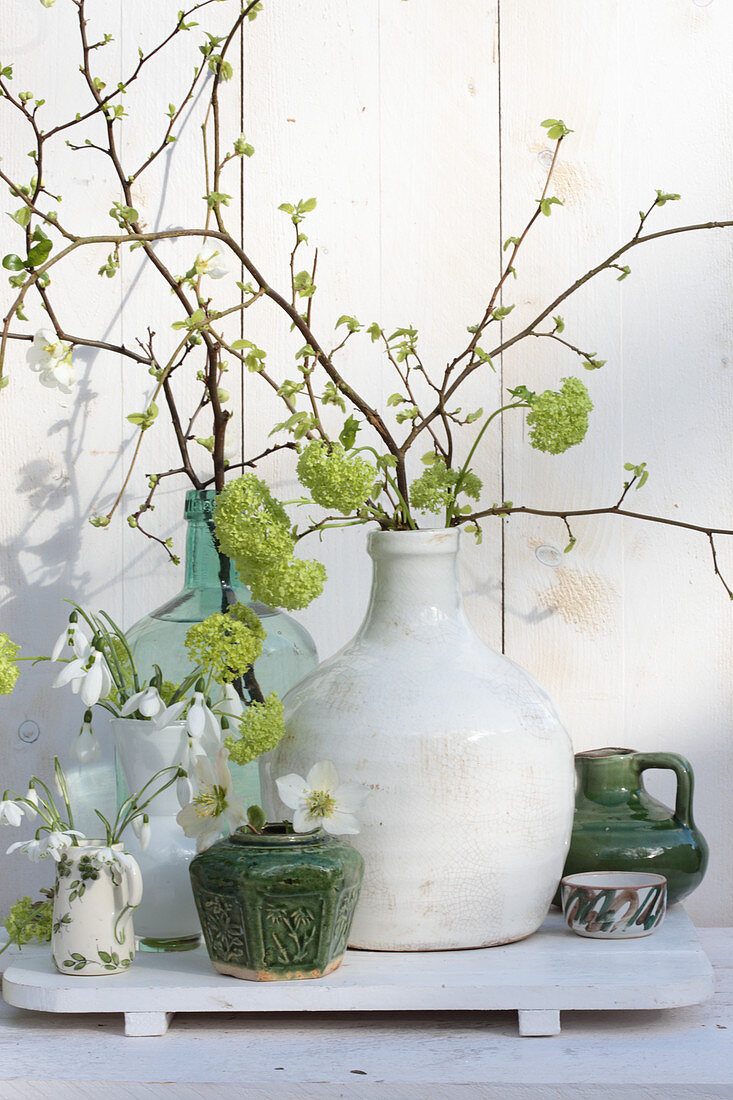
559,420
9,671
252,527
290,584
226,644
336,480
434,489
29,921
260,729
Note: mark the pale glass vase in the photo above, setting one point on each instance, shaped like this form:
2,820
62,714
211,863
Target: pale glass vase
466,830
166,919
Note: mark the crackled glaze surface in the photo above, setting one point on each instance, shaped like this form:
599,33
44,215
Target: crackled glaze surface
467,828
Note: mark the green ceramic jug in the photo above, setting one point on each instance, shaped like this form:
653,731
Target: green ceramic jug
618,826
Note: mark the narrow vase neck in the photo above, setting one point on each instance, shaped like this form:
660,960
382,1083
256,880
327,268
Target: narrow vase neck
415,585
607,776
203,564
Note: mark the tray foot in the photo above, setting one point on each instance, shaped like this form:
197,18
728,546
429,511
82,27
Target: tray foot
539,1021
147,1023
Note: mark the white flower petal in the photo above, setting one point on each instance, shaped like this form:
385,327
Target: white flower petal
323,776
170,715
350,797
303,820
130,705
61,642
196,719
73,670
11,813
184,791
292,789
339,823
91,688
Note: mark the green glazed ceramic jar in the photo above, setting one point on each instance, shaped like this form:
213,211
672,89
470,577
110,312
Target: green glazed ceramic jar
618,826
277,905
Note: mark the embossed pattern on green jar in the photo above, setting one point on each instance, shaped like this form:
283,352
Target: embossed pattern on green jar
277,906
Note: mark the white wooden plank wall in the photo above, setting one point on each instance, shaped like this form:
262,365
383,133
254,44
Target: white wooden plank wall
418,131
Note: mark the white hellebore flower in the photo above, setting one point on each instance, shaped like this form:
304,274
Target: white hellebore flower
206,266
89,678
147,701
214,806
51,360
10,812
320,800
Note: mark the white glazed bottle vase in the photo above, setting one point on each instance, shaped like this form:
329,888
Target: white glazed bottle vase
465,833
166,919
94,900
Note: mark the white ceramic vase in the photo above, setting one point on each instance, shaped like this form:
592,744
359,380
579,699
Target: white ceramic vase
465,833
166,919
92,910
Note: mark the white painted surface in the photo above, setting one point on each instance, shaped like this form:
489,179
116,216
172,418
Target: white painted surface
544,974
389,113
683,1052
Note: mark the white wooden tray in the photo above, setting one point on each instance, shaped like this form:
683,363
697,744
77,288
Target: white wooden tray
538,977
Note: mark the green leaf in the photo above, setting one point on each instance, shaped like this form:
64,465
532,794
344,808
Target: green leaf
501,312
303,285
256,817
510,241
471,417
396,399
332,396
347,435
547,204
217,198
556,128
105,956
307,206
351,323
22,216
559,323
375,331
288,209
625,272
665,196
11,262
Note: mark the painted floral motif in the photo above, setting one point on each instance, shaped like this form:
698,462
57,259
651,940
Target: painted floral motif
344,917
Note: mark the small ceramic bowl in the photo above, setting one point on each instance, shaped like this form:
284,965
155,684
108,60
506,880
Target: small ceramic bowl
613,905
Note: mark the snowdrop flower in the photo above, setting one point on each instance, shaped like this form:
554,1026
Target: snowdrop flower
50,844
141,829
202,724
147,701
57,840
170,714
32,797
74,637
184,791
34,849
214,806
320,800
106,854
206,266
51,360
10,812
91,678
87,748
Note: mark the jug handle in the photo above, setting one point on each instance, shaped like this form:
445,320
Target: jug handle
685,781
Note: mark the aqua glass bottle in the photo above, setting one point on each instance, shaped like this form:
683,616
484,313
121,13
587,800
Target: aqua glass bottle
288,653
